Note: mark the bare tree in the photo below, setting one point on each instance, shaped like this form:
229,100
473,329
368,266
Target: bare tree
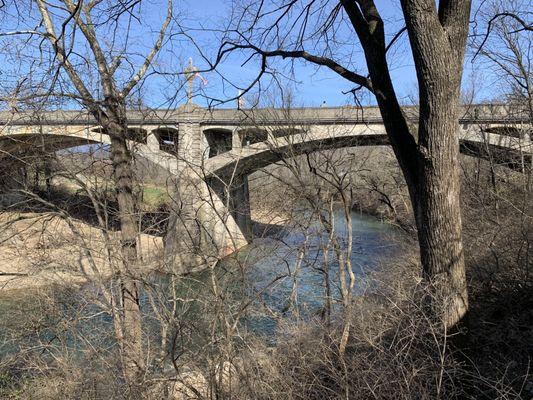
503,41
74,31
428,154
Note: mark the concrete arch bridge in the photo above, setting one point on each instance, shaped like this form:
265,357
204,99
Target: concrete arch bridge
210,153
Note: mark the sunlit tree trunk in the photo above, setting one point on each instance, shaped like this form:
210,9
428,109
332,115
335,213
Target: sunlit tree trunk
131,340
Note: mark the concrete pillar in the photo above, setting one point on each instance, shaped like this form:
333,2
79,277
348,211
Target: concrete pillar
221,221
183,239
201,226
240,206
190,144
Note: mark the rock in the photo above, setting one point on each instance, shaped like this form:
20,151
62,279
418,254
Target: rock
190,385
226,377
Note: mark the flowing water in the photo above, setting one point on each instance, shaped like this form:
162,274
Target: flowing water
284,277
289,274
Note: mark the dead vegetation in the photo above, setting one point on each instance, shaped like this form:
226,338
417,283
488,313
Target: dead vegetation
198,348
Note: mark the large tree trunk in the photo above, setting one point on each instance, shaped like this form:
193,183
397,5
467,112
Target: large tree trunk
130,326
437,207
430,166
438,40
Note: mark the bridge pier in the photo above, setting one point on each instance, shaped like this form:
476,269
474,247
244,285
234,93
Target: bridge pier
240,206
203,225
235,196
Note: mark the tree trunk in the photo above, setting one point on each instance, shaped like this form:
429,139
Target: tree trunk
437,211
430,166
131,340
438,40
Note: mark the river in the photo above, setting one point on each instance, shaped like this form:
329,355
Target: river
266,272
287,274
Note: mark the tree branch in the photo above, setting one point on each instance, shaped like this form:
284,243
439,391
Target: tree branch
525,26
60,53
148,60
319,60
88,31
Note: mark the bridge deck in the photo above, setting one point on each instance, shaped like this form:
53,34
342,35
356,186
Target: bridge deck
480,113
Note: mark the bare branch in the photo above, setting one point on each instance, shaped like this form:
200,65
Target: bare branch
525,26
148,60
60,53
319,60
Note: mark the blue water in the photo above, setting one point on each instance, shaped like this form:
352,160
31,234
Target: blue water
261,276
271,267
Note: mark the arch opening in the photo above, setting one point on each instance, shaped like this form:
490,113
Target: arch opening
137,135
168,139
219,141
252,135
25,144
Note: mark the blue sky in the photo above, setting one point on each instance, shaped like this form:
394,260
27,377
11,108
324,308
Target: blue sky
309,85
312,85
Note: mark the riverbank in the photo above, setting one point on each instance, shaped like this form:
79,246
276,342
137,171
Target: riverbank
40,249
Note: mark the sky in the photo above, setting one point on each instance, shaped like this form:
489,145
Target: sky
311,86
308,85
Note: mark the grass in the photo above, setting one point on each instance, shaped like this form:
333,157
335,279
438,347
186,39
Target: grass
152,196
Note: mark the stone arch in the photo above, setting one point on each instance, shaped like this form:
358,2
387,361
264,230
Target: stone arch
266,154
219,141
31,143
497,154
138,135
19,151
250,136
168,139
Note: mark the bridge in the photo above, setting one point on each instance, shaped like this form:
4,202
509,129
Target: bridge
210,153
